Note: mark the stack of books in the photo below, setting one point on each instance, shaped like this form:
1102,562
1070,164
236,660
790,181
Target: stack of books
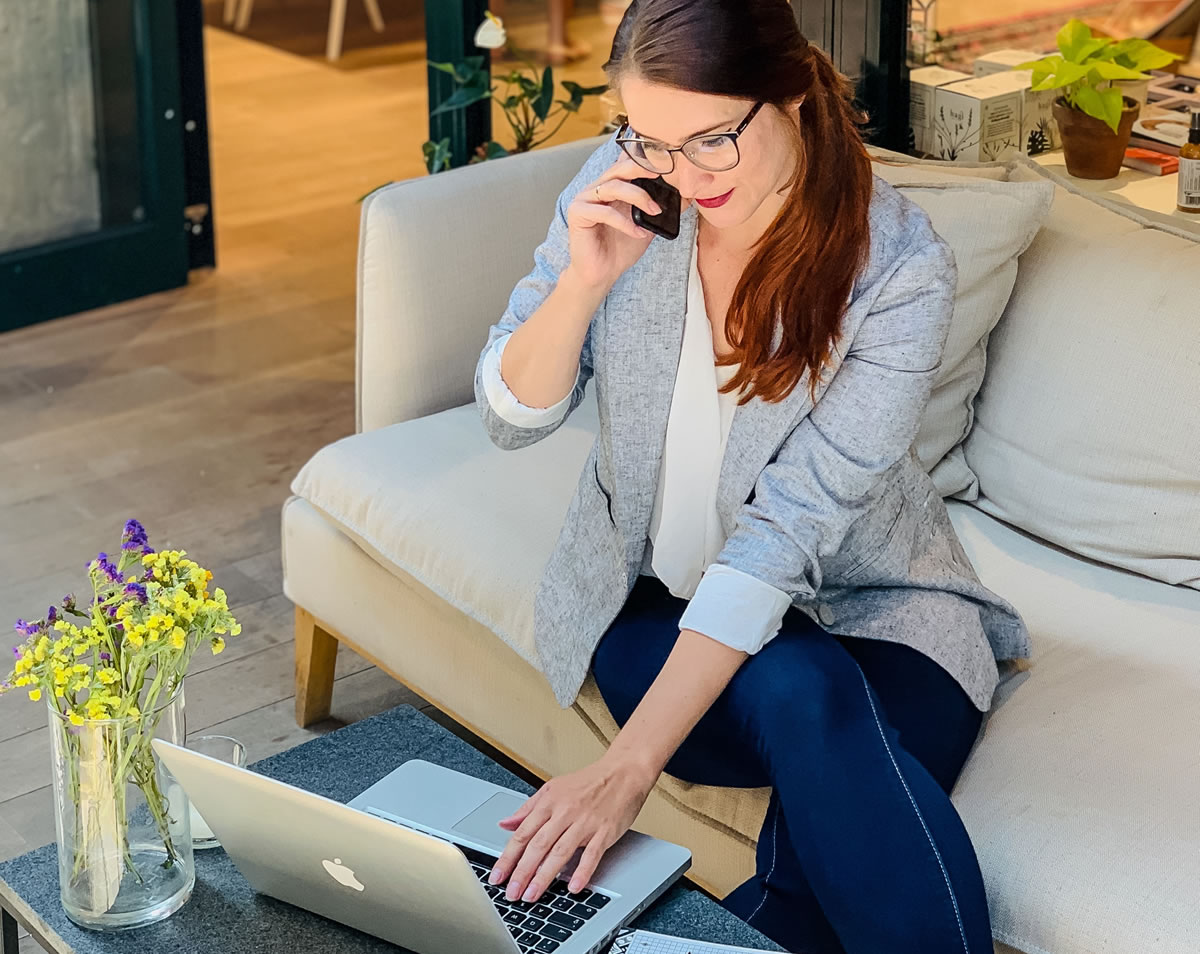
1163,126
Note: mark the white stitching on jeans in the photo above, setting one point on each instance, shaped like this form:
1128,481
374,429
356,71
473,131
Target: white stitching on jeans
912,801
774,855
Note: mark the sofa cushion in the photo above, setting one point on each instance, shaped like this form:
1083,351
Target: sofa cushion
434,497
1087,427
1081,796
987,224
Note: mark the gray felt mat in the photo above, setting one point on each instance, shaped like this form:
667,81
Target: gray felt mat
225,915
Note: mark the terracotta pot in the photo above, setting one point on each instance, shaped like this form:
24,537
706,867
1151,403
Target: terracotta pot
1092,149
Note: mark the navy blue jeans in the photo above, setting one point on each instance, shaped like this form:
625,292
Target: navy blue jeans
861,741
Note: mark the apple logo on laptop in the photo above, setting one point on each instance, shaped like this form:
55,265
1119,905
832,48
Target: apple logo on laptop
342,875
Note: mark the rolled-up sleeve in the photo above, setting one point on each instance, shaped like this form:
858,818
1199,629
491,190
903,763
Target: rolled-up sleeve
825,474
736,609
505,403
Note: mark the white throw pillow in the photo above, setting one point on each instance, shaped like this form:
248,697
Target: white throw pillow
1087,428
988,224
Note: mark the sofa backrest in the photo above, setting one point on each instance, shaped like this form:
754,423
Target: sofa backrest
1087,427
438,257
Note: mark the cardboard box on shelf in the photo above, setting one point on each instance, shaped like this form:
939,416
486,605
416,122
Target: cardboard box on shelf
922,83
1000,60
977,120
1039,131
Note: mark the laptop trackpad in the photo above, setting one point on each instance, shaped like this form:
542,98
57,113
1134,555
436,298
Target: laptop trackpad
481,825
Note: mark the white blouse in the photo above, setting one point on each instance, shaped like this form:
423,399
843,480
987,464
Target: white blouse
685,535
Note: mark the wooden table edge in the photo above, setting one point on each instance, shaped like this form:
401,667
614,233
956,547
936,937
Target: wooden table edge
15,911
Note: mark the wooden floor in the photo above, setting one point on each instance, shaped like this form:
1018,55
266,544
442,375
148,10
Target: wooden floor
193,409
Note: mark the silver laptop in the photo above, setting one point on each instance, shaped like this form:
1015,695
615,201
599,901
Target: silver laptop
408,859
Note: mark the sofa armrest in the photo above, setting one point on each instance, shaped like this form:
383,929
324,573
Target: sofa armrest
438,258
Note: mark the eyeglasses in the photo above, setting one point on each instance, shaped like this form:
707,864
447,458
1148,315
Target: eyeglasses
713,152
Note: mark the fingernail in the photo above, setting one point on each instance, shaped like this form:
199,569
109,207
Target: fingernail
494,877
513,892
656,208
530,894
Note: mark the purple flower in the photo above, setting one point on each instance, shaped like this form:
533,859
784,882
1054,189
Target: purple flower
112,612
52,615
134,537
106,656
68,602
17,652
137,590
27,629
105,566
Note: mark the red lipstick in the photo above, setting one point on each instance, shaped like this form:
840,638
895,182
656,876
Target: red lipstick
715,203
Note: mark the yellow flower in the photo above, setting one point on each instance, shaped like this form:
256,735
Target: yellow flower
22,665
75,718
178,638
108,676
60,624
134,712
81,668
134,638
62,677
35,694
59,692
218,646
235,629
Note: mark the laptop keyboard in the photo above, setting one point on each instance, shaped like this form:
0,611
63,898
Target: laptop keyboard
539,927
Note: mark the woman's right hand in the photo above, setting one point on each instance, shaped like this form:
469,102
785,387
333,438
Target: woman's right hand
603,238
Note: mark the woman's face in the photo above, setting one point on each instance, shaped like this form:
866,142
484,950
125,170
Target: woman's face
671,116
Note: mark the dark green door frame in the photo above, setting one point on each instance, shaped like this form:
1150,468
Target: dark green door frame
867,40
148,251
449,37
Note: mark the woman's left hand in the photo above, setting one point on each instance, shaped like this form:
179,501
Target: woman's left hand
590,808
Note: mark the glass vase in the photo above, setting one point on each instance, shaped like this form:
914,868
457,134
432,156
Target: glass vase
124,837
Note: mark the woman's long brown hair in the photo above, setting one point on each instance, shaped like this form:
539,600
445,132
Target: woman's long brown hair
805,264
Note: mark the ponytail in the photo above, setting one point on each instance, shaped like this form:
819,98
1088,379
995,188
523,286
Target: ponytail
809,257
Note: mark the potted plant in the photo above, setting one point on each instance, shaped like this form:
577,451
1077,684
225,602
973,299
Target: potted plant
1094,117
527,98
110,674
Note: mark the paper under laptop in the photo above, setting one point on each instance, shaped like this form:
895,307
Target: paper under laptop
645,942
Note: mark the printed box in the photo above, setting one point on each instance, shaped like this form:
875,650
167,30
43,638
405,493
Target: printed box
977,120
1039,131
999,61
922,83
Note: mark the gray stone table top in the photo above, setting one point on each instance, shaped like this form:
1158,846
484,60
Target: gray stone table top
224,914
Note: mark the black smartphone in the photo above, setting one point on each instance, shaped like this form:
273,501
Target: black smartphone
666,223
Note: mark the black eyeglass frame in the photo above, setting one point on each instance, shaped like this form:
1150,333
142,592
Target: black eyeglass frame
733,134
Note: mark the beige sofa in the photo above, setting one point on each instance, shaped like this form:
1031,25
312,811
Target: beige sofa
1081,796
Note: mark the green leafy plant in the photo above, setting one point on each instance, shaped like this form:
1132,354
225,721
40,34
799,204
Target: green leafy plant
1086,66
525,94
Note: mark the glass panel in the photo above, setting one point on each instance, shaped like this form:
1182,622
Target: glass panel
69,147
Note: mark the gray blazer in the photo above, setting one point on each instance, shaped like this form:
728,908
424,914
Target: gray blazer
826,502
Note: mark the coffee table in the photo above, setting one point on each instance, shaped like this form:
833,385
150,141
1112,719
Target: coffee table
224,914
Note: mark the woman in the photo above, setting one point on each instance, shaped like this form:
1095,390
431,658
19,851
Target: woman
755,568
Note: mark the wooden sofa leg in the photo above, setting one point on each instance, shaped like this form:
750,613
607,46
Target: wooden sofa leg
316,656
